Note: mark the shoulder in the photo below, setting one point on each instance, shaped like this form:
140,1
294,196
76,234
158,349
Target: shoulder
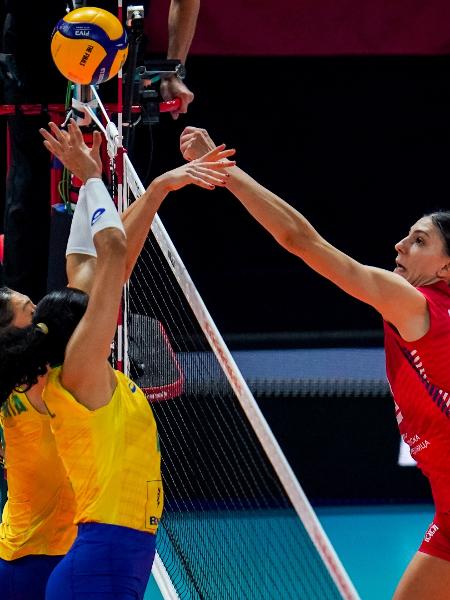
437,292
437,296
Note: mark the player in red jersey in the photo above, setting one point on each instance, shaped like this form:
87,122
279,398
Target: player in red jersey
414,302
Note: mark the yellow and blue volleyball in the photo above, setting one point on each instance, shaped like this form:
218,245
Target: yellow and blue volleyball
89,45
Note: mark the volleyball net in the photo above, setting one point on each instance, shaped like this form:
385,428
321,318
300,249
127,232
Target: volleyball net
236,523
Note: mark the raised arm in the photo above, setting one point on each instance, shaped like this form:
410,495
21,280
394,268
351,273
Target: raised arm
393,297
86,372
84,162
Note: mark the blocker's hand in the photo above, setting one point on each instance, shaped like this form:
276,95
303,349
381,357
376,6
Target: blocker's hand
71,149
207,172
195,142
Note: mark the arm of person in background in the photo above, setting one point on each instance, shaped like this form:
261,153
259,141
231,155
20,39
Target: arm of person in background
399,302
182,21
84,162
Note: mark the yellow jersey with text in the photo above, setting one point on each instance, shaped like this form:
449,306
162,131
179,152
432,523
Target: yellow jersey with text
38,517
111,454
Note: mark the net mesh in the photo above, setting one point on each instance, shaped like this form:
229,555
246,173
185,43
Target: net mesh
228,529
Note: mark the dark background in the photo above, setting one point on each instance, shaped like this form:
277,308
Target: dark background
360,145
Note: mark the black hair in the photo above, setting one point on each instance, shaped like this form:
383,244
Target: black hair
441,220
26,352
6,309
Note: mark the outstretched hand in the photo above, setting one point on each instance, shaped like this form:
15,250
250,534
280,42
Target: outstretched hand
207,172
71,149
195,142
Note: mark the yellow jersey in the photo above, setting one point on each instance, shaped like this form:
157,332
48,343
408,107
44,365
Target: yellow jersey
111,454
38,515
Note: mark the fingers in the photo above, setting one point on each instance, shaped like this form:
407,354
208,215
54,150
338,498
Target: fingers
56,140
96,142
220,151
48,146
189,129
187,151
61,135
187,138
50,143
186,144
75,132
46,135
209,177
225,153
201,183
185,100
217,166
195,143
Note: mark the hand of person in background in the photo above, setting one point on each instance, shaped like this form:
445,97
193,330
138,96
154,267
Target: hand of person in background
208,171
71,149
195,142
172,88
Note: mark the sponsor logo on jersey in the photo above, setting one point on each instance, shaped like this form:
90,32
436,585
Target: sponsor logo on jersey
97,214
132,387
430,532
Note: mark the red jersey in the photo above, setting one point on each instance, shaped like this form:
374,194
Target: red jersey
419,376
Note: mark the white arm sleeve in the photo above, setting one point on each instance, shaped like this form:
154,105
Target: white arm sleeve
80,237
101,210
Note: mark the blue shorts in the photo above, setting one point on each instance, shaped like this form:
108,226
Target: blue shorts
25,578
106,562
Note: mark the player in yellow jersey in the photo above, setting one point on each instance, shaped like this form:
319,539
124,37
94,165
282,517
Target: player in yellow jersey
94,501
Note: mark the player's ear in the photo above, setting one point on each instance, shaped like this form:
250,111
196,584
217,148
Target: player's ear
444,272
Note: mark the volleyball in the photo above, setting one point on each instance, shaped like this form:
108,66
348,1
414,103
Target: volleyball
89,45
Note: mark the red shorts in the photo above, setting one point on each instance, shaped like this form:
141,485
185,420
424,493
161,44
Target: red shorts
436,541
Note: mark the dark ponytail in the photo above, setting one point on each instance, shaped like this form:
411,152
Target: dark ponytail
25,353
22,358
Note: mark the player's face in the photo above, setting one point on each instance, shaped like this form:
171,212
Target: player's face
421,255
23,309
